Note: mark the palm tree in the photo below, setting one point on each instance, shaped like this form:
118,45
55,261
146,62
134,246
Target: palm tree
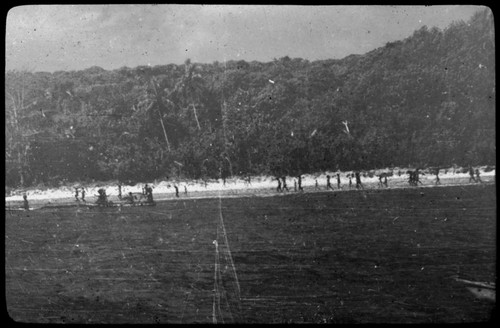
152,97
190,86
159,103
21,120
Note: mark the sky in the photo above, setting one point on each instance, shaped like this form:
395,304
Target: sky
74,37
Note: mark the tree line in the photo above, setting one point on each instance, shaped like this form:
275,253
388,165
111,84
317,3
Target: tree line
427,100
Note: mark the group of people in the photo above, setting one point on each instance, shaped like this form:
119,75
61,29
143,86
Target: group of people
414,177
474,176
471,175
77,192
282,186
130,198
413,180
147,193
185,190
297,184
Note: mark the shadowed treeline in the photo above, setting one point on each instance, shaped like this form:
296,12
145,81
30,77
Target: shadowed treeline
428,100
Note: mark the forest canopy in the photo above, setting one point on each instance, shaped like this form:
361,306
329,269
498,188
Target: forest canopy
427,100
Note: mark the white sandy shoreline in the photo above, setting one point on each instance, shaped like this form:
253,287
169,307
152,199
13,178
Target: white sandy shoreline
237,187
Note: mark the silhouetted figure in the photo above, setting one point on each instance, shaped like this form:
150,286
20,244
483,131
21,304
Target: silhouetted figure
77,191
316,185
380,182
478,178
284,183
26,205
149,194
382,179
338,180
471,174
328,184
83,195
130,198
176,191
350,181
358,180
185,190
416,176
438,181
411,178
278,189
102,198
119,191
299,178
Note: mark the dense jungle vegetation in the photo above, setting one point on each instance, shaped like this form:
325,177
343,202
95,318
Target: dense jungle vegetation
427,100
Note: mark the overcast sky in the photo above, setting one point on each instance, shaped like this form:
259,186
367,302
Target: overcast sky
75,37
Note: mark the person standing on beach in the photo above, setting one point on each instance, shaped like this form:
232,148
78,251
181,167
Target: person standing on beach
176,191
417,177
411,177
284,183
76,193
350,181
478,178
471,174
26,205
338,180
328,184
83,194
185,190
358,181
316,186
119,191
438,181
149,194
380,182
299,178
278,189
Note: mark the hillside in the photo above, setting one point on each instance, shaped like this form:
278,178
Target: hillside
428,100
